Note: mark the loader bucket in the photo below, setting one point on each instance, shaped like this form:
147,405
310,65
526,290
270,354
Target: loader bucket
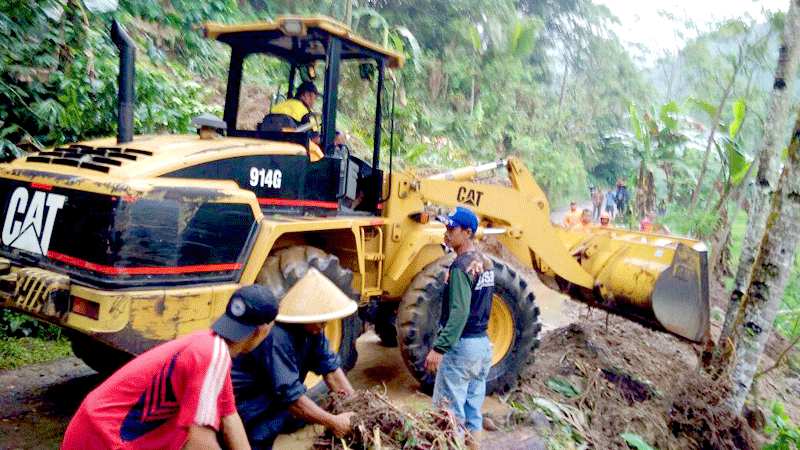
657,280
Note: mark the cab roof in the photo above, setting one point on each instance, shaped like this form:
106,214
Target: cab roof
296,38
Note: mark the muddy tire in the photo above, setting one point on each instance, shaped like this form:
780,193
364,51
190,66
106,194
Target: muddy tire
285,267
386,323
513,329
102,358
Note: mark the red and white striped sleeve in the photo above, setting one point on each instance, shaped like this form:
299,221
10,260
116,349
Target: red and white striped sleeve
207,377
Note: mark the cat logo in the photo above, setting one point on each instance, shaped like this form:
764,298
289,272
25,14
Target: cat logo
33,231
469,196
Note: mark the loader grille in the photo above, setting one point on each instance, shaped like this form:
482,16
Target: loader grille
99,159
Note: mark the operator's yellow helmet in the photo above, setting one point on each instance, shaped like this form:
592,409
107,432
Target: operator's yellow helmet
314,298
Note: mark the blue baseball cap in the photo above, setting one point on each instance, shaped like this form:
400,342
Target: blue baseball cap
462,218
248,308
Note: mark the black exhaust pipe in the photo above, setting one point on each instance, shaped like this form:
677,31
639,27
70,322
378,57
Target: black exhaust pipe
125,80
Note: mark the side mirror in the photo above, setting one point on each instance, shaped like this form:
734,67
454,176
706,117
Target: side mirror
366,71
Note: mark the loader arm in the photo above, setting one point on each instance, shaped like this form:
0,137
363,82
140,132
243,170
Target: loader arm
659,281
522,209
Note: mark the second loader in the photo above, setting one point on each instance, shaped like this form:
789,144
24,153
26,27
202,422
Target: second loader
132,241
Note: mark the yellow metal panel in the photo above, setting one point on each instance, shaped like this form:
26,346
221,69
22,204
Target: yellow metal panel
222,294
152,314
115,309
523,213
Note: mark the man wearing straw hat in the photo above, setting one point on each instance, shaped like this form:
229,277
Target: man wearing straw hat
178,394
268,382
462,354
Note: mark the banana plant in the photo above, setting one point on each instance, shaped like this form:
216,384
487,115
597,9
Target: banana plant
400,37
660,142
735,162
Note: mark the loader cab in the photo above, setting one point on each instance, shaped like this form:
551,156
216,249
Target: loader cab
331,179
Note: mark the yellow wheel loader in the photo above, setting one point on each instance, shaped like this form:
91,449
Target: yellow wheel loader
128,242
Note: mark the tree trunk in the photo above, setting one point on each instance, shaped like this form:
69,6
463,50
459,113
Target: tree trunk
667,168
472,97
640,190
710,142
721,237
768,164
771,271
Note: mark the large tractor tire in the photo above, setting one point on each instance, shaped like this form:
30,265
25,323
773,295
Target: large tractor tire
101,357
284,268
513,324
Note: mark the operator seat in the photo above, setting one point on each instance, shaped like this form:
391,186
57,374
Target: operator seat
277,122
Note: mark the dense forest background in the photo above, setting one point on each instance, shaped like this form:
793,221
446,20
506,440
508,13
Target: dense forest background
548,81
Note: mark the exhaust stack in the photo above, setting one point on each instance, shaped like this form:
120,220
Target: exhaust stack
126,86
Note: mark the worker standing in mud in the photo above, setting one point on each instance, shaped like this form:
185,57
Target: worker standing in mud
462,354
268,382
177,395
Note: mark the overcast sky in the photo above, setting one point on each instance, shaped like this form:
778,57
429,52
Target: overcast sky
641,22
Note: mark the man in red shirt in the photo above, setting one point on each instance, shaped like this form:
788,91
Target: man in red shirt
179,394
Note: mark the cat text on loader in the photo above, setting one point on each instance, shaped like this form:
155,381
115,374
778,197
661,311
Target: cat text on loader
129,242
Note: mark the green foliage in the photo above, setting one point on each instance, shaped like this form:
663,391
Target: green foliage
699,224
18,352
785,434
563,387
635,441
61,86
739,108
20,325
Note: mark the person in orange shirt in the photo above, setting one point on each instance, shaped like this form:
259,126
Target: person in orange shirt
573,216
585,221
646,224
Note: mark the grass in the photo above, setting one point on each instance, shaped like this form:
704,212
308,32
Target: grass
788,319
18,352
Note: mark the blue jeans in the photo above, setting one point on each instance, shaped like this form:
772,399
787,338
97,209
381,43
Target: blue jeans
461,380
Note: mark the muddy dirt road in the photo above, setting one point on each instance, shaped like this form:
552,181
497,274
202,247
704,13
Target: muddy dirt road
37,401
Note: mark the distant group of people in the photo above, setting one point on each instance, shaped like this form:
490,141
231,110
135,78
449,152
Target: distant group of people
608,205
581,219
613,201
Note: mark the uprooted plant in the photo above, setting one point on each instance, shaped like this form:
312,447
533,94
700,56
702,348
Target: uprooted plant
379,424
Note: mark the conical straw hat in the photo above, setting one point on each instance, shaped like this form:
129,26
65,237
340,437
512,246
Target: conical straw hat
314,298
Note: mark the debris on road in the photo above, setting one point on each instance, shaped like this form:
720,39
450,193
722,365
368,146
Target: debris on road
379,424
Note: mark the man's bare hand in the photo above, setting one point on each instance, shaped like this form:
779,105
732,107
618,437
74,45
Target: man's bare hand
341,425
432,361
